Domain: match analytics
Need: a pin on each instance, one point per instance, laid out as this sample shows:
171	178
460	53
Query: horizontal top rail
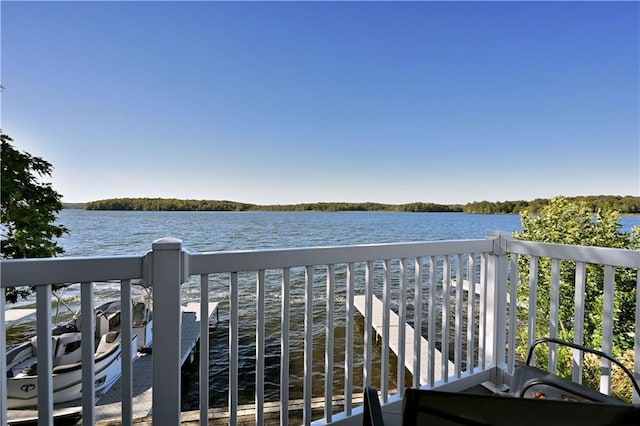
19	272
597	255
250	260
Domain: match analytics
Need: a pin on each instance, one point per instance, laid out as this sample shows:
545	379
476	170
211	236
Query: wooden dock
14	316
394	327
108	407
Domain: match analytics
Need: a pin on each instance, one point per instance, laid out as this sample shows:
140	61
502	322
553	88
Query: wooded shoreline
623	204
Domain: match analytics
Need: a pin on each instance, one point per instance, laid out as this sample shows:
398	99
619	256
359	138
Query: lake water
97	233
119	232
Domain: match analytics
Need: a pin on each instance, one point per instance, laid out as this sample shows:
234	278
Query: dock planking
108	407
394	327
14	316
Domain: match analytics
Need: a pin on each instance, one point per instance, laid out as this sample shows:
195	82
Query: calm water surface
115	233
98	233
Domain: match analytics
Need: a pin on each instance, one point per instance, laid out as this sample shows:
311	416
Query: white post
44	357
87	325
307	392
260	346
127	352
496	308
234	321
348	356
368	325
328	354
636	346
204	349
284	348
166	278
3	362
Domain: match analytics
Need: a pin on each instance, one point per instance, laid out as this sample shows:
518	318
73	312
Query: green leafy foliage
28	209
576	222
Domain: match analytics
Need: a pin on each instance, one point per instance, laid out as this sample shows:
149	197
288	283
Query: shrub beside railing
578	300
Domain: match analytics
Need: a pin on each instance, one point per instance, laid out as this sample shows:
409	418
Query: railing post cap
497	234
499	239
167	243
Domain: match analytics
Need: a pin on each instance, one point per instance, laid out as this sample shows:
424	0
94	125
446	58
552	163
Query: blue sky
291	102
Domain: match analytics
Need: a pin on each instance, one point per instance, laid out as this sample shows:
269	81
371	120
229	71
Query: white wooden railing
473	324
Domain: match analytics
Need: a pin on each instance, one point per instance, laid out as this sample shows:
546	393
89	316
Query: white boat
22	381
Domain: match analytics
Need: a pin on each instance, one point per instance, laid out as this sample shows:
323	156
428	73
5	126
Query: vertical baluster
328	354
45	362
284	348
384	370
368	324
308	345
204	349
482	326
431	321
402	320
533	303
127	352
513	309
260	343
457	351
607	328
3	361
446	313
636	345
234	310
348	360
88	353
417	324
578	323
554	313
471	317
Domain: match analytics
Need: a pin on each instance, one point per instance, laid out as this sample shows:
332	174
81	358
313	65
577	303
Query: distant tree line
172	204
166	204
362	207
621	204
